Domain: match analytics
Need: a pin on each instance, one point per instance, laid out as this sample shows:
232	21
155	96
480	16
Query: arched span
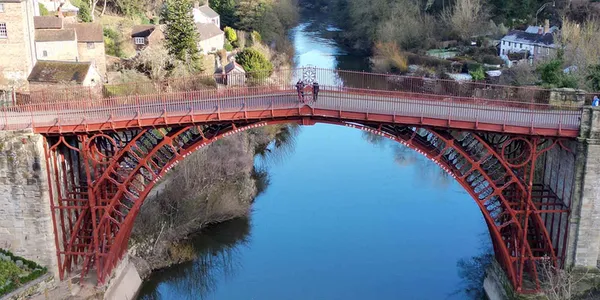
117	170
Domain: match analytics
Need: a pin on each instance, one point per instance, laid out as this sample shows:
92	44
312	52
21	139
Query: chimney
59	12
546	26
197	4
540	30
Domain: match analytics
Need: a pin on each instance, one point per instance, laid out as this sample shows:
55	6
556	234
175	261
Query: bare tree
556	283
580	45
467	18
155	59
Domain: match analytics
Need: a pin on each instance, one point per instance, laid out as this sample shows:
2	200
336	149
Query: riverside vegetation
399	33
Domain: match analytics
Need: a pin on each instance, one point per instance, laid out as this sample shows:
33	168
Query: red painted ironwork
108	146
100	181
352	95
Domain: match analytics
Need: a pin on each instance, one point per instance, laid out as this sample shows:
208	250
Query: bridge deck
277	103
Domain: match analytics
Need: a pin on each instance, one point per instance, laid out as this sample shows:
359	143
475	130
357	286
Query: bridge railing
431	86
287	77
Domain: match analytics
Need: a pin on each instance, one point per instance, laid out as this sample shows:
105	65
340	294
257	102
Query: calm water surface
342	218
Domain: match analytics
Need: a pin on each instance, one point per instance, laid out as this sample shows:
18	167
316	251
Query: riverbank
213	185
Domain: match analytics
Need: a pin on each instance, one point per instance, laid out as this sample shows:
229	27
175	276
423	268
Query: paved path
380	102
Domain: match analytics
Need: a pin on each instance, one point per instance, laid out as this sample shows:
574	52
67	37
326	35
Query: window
3	33
547	51
91	45
503	43
45	53
521	45
539	50
139	41
1	7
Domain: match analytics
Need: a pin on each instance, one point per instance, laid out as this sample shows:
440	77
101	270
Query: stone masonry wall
25	217
584	233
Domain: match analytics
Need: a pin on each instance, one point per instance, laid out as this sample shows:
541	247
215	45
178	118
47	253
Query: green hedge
36	272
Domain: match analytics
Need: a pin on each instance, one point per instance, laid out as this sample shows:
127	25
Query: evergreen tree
85	13
254	63
226	9
181	33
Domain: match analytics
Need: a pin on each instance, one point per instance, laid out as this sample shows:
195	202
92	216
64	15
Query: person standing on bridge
315	90
300	89
596	101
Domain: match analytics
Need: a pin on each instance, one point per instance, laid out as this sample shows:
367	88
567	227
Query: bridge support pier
584	233
25	213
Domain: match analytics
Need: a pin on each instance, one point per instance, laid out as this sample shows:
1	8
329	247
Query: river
346	216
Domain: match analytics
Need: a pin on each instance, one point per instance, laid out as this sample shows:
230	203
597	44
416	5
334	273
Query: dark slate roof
230	66
208	30
207	11
55	35
519	36
47	22
142	30
88	32
59	71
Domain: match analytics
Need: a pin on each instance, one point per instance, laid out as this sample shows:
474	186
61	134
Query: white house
537	42
205	15
211	38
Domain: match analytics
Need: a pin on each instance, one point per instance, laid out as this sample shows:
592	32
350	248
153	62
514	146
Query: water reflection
217	252
404	156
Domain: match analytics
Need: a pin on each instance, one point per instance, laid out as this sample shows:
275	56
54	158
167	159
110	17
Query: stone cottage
56	44
90	44
49	74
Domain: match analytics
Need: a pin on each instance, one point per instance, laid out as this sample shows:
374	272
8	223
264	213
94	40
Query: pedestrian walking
315	90
596	101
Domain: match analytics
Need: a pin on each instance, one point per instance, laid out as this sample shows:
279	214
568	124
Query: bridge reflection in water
508	147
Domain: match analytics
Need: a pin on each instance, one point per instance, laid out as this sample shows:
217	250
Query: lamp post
542	8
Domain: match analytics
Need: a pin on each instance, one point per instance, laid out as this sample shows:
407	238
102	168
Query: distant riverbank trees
271	18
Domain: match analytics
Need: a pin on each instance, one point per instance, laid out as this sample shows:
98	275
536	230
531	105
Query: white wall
213	44
64	50
507	47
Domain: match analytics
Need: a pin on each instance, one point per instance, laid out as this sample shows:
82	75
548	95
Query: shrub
230	34
255	63
12	280
113	42
256	38
478	74
228	46
492	60
43	10
85	13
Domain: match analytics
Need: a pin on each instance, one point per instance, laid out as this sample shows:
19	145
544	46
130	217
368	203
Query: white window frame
139	40
547	51
3	30
90	45
1	7
44	53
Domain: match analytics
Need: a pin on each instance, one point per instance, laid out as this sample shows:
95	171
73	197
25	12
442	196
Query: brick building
17	42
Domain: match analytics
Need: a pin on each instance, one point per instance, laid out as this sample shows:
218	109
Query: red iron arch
121	169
